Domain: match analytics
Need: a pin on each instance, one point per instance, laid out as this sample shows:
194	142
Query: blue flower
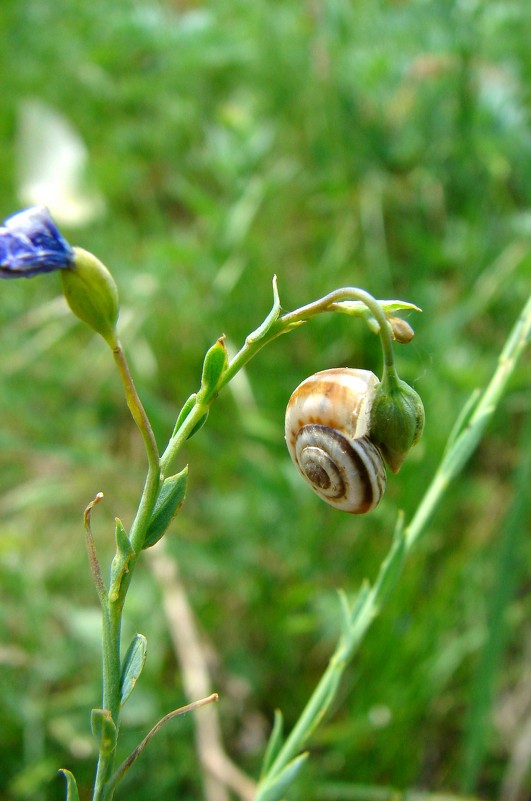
30	244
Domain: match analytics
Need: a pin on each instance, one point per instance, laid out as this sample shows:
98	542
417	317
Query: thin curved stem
283	324
358	619
113	606
135	404
327	303
151	486
177	441
274	325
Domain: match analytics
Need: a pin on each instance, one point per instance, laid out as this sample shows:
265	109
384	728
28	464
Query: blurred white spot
380	716
52	162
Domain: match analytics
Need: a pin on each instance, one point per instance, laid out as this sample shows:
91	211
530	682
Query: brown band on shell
357	453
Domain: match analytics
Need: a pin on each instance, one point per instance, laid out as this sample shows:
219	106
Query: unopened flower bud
401	331
91	293
397	420
215	363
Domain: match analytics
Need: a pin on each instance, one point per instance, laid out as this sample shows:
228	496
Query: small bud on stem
91	293
397	419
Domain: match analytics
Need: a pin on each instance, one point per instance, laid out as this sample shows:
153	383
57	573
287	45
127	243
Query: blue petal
30	244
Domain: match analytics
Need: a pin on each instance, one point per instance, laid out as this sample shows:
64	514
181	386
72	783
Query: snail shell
327	434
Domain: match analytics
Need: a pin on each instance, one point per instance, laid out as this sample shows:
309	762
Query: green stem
328	302
152	484
112	609
177	441
466	441
370	600
135	404
111	695
283	325
274	326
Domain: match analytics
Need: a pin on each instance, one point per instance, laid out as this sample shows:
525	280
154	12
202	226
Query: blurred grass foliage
386	145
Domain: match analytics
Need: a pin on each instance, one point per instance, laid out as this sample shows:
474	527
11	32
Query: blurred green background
197	149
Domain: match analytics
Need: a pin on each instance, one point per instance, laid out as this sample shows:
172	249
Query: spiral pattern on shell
327	433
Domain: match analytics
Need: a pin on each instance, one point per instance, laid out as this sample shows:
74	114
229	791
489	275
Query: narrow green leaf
133	756
214	365
132	666
357	308
198	426
171	497
103	730
390	306
71	786
183	414
185	411
271	318
276	787
274	743
358	605
120	562
506	558
123	544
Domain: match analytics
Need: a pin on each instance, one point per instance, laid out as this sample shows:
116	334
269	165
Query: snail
328	437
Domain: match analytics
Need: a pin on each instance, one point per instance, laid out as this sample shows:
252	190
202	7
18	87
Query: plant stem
138	413
112	608
283	324
328	302
135	404
177	441
509	566
466	441
370	600
111	695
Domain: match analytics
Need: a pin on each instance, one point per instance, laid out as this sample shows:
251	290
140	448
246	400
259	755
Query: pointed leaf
171	497
358	604
183	414
123	544
199	425
103	730
390	306
185	411
71	786
271	318
132	666
276	787
133	756
274	743
120	562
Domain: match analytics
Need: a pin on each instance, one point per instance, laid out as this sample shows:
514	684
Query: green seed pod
397	420
91	293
